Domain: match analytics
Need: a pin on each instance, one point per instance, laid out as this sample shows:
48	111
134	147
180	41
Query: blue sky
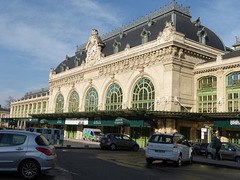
36	35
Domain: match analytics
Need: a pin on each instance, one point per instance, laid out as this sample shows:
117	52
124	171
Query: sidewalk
81	144
223	163
78	143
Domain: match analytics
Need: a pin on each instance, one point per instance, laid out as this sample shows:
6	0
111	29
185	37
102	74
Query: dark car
203	148
118	141
228	151
195	147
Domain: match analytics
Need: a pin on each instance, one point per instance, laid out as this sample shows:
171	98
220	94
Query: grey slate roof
133	35
232	54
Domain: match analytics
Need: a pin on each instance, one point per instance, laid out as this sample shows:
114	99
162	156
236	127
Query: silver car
24	152
228	151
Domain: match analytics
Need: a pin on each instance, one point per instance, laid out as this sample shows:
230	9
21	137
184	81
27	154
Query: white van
168	147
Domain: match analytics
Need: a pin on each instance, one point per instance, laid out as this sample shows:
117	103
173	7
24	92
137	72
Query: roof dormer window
150	22
202	36
116	46
77	60
63	67
145	34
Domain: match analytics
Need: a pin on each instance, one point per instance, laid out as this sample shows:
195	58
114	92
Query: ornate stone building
163	73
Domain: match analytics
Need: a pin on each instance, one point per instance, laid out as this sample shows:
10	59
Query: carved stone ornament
167	33
93	48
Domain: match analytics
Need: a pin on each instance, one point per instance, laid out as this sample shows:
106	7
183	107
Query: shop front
229	128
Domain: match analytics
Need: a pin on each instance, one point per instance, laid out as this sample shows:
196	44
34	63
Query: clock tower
94	48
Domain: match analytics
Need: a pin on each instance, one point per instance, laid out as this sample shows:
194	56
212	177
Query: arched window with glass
73	104
143	95
91	101
59	104
233	92
207	94
114	97
44	107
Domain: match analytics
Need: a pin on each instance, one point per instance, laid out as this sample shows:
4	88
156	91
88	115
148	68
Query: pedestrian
217	145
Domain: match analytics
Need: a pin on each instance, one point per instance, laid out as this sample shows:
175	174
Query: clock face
93	50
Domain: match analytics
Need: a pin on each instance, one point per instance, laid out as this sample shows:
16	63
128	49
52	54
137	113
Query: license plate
160	151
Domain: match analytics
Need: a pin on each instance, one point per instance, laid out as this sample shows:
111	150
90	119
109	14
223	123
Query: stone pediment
93	49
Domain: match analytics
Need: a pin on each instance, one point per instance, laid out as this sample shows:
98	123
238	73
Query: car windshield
237	146
97	133
104	136
161	138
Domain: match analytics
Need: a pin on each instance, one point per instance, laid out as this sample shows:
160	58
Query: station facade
161	73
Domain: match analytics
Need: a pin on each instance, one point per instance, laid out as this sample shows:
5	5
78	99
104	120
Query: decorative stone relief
167	34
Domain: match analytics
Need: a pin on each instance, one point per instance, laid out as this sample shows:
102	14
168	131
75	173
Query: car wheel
209	156
29	169
149	161
179	161
113	147
135	148
238	159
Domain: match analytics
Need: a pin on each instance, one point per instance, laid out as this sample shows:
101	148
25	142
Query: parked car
228	151
195	147
27	153
168	147
203	148
118	141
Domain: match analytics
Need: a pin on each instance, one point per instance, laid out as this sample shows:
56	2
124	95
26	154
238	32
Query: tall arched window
114	97
233	92
207	94
91	101
59	104
143	94
73	104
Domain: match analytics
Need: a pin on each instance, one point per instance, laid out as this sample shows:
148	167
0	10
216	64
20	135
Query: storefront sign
57	122
229	123
75	121
234	122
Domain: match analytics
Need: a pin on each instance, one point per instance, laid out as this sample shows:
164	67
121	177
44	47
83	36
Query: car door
227	151
184	148
118	141
12	149
127	142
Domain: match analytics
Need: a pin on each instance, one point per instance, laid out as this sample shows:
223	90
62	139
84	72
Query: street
91	164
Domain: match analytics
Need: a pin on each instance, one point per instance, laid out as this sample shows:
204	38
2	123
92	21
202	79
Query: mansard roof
232	54
153	23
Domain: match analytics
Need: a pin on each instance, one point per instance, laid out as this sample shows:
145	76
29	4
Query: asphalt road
96	164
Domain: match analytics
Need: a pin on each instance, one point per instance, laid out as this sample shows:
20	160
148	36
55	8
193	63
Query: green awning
229	123
43	121
31	120
57	122
138	123
4	120
119	121
100	122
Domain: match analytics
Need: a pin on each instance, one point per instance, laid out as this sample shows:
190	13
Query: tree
8	102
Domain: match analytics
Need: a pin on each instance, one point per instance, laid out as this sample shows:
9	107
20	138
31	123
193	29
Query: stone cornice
214	69
29	101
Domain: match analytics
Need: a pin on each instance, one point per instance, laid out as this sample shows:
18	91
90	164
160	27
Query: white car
168	147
